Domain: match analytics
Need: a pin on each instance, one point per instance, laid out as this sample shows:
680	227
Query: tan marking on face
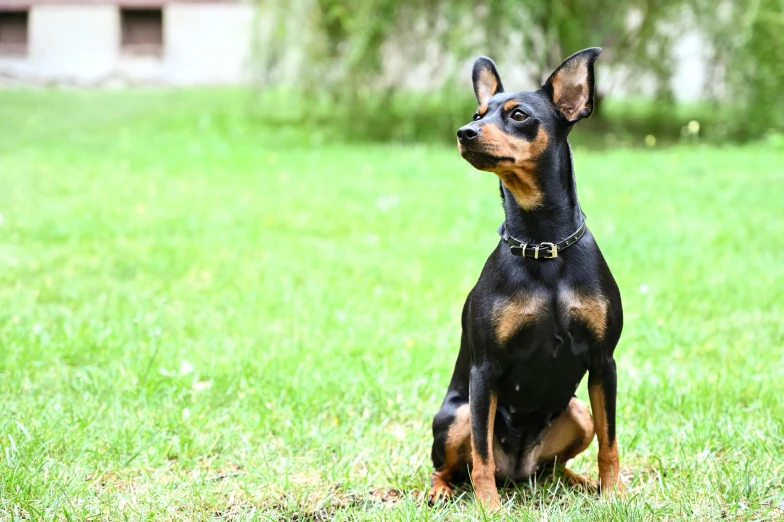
512	314
570	89
486	86
609	465
482	110
590	309
511	104
483	473
518	174
457	453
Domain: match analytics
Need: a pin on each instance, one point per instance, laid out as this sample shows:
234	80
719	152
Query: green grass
212	317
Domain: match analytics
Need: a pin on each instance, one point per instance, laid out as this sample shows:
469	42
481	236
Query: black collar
541	250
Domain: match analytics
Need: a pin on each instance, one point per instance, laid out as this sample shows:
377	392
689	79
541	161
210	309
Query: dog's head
511	131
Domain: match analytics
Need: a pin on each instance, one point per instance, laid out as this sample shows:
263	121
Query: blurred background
236	238
389	69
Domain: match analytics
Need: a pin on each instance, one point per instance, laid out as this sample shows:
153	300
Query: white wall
75	42
207	43
204	44
67	42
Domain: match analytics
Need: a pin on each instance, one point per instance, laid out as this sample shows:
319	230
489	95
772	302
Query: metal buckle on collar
553	251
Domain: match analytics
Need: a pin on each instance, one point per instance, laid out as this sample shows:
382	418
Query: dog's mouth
481	160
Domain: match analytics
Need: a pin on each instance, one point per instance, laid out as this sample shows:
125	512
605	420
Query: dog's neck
559	213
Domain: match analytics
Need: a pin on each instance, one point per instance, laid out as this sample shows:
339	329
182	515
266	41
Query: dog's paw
578	481
614	488
439	493
488	499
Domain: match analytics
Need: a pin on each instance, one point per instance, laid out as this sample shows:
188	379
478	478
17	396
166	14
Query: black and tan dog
546	308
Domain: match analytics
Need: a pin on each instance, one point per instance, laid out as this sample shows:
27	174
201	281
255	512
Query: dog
545	310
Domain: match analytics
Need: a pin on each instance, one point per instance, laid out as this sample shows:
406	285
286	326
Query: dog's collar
539	250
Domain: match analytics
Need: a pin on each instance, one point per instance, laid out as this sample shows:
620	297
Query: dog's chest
544	341
558	311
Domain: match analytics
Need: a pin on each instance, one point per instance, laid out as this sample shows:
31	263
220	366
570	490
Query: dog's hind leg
568	436
452	425
451	447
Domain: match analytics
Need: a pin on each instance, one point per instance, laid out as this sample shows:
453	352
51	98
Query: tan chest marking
512	314
591	309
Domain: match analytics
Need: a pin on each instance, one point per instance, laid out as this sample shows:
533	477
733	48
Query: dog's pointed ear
571	85
486	80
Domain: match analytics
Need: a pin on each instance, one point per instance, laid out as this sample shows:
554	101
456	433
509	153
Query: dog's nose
469	132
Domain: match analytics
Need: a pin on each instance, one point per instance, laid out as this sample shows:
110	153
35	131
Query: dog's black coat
533	372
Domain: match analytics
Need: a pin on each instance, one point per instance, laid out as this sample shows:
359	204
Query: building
125	42
104	43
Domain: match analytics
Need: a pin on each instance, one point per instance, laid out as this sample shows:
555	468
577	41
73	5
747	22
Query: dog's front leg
602	385
483	401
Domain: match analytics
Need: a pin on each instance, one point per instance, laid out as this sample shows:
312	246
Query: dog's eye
477	116
519	115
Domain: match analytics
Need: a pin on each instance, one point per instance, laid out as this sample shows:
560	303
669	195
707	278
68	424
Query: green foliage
346	38
337	52
415	116
748	42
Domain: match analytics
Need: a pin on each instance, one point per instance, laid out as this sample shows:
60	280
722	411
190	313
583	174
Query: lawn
211	316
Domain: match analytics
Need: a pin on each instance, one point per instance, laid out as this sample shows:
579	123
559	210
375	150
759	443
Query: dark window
142	31
13	33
